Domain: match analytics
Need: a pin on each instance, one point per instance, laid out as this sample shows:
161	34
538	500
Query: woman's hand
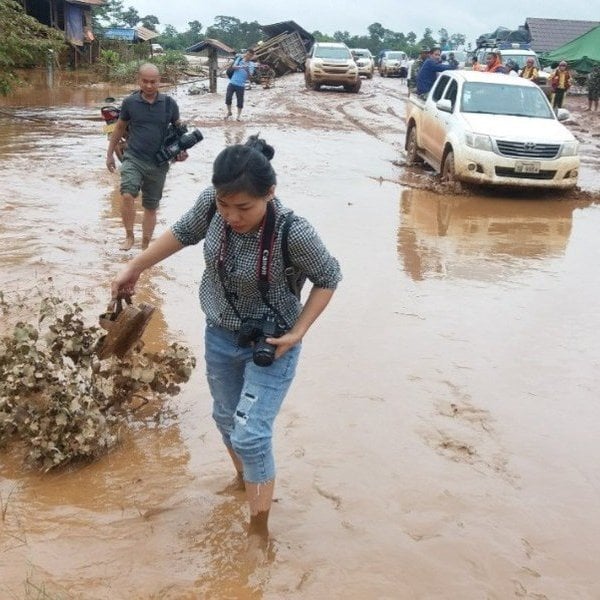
124	283
284	343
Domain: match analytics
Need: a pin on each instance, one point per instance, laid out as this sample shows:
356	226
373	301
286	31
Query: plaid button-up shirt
306	249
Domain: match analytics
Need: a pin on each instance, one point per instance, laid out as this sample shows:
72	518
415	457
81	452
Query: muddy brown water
441	437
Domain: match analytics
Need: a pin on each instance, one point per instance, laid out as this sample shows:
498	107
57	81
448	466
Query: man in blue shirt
429	70
242	71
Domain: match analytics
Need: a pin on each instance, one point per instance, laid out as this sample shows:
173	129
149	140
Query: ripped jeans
246	399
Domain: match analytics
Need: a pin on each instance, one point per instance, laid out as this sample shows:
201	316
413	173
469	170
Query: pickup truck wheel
412	156
449	172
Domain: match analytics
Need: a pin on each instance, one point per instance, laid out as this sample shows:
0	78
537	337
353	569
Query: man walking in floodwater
145	117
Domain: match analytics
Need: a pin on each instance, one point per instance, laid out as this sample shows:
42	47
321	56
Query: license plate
527	167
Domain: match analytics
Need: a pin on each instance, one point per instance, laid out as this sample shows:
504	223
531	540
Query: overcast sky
458	16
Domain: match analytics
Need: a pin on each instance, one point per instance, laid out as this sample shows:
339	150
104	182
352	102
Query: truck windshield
500	99
335	53
395	55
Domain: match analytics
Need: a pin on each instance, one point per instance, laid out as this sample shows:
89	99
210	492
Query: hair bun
261	146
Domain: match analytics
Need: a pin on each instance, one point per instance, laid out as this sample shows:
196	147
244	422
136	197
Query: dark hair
245	168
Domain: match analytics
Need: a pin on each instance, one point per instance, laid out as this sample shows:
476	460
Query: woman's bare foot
128	242
234	486
145	242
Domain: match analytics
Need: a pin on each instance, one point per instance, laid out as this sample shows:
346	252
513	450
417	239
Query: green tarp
581	54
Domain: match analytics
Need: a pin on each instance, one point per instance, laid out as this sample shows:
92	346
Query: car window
439	88
332	52
395	55
451	93
496	98
521	59
361	53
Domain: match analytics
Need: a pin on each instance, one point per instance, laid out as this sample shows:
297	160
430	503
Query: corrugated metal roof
287	27
129	34
119	33
210	43
549	34
146	34
88	2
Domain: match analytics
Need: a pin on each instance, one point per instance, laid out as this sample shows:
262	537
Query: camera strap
264	261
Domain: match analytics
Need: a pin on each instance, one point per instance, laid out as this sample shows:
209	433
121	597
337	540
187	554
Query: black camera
177	140
257	330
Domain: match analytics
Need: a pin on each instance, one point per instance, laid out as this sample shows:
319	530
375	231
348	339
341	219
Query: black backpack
295	277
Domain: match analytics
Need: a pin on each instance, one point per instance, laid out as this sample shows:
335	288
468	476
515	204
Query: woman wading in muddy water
254	322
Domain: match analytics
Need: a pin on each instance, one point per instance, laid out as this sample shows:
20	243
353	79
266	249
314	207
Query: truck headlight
478	141
569	148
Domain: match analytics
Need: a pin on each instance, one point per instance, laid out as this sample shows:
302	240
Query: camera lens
264	354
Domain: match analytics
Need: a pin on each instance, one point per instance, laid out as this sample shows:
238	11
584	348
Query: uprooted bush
60	400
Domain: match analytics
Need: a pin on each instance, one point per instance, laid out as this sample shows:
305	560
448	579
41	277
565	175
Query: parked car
331	63
393	63
157	49
491	129
365	61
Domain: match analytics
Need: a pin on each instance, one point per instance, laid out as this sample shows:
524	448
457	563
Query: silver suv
331	63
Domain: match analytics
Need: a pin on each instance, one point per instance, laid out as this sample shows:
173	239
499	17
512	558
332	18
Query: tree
457	40
150	22
24	41
444	38
427	39
341	36
109	14
131	17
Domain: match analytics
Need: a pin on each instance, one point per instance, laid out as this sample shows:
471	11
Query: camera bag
230	69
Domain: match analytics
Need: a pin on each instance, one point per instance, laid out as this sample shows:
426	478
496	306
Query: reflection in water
478	237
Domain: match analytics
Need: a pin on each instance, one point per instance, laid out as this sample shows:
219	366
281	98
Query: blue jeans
246	399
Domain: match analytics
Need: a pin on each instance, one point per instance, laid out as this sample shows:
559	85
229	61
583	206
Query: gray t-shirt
148	123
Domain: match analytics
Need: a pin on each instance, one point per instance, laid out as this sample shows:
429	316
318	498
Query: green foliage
24	42
63	403
114	14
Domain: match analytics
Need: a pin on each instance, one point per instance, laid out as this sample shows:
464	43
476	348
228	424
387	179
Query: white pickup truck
491	128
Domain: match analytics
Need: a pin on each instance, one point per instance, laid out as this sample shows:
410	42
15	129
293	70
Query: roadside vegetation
59	401
24	42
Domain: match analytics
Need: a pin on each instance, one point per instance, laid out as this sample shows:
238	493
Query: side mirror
444	105
562	114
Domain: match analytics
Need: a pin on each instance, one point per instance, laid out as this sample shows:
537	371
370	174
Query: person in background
429	71
245	290
145	116
476	65
452	60
493	62
243	68
511	68
560	82
414	69
593	87
530	71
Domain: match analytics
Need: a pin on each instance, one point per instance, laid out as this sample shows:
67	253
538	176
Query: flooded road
441	437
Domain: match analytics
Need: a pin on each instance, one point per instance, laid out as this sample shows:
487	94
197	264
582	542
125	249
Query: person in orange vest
560	83
494	63
530	71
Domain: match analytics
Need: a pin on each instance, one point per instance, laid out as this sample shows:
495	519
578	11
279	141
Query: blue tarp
74	24
120	33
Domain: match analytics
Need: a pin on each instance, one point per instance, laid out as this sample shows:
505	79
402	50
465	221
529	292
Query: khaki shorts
138	175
